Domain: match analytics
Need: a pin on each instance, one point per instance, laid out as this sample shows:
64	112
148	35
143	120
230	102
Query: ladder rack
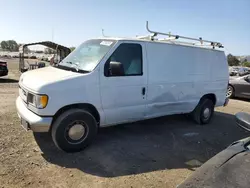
172	38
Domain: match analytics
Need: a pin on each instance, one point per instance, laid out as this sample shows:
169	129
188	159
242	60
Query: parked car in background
14	54
243	71
233	71
32	56
3	68
238	71
230	168
239	87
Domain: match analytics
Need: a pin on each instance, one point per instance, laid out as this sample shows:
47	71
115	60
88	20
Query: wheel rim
76	132
229	91
206	113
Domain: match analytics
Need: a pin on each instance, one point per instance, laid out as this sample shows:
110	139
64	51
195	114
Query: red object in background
52	60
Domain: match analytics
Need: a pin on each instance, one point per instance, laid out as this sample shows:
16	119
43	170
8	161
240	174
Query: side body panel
179	76
219	76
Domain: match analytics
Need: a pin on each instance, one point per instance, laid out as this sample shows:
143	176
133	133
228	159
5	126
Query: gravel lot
161	152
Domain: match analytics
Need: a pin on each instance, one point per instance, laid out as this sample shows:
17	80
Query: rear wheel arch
204	110
85	106
233	93
210	96
232	86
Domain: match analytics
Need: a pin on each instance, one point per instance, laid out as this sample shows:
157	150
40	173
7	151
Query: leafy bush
246	64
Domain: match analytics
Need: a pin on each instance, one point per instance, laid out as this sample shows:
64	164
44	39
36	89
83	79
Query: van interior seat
134	67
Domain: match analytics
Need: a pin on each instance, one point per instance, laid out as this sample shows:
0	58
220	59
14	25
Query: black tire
198	114
61	130
230	91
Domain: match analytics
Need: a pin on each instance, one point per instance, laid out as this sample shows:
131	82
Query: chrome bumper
35	122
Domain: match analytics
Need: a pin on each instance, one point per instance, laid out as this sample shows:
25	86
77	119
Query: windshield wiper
76	66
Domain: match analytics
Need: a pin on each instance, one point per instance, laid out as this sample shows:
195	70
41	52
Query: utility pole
103	33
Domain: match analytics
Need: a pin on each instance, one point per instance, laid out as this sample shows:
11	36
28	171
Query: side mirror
116	69
243	120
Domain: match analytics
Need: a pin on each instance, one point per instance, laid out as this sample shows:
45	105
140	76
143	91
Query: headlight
39	101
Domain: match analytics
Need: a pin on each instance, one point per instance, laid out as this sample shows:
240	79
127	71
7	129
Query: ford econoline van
111	81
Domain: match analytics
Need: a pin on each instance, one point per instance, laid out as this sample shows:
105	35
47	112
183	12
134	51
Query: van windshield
86	56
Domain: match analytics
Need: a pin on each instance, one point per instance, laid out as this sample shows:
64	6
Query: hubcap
76	132
206	113
229	91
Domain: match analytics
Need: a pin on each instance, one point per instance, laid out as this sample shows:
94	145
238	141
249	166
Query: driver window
130	55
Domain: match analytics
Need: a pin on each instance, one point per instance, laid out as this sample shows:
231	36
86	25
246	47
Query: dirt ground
161	152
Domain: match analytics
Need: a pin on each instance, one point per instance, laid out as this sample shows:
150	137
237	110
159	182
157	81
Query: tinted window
130	55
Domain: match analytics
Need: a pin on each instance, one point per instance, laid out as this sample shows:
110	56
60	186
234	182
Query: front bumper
35	122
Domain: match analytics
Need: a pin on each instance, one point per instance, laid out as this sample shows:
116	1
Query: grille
23	94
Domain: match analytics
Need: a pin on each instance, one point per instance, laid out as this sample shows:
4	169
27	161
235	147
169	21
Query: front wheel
74	130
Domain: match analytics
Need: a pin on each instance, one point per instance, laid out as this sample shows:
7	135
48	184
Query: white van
111	81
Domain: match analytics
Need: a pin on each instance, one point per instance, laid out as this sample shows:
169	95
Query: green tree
232	60
10	45
72	48
4	45
13	46
246	64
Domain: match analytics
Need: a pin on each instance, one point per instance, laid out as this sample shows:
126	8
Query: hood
235	77
38	78
232	78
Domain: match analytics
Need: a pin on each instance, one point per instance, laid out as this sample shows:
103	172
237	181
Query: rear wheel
74	130
230	92
203	112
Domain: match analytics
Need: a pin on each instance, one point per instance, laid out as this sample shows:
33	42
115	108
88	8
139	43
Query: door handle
143	91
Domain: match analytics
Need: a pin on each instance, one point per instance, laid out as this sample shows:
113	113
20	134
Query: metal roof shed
62	51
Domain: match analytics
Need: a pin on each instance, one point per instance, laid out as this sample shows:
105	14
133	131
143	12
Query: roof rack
173	38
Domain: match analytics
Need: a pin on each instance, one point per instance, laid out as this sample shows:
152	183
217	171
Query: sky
70	22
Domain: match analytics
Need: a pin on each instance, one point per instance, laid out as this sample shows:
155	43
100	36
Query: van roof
172	39
159	41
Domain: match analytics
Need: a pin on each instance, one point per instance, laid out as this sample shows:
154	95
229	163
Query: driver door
124	97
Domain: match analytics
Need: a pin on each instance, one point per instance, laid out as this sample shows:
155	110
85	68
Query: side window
130	56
